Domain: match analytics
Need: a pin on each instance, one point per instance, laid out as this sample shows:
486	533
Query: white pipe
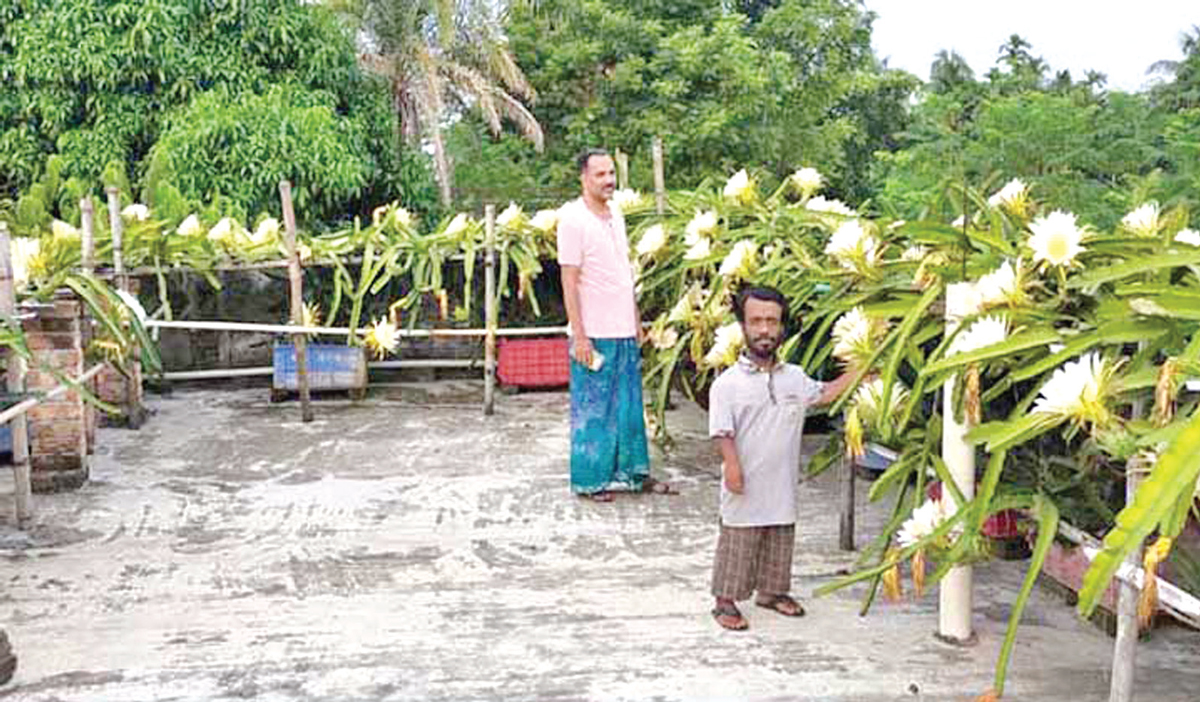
26	405
217	373
340	331
954	592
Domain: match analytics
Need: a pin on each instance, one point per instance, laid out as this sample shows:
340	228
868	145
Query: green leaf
1123	331
999	436
1170	305
1176	472
1047	517
1033	338
1132	267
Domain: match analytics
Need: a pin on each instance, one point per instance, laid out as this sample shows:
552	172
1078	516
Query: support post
489	312
117	228
846	525
88	236
87	265
15	381
1124	663
130	407
297	299
660	187
955	598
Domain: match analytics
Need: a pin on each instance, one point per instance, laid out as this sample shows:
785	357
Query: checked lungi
608	429
756	558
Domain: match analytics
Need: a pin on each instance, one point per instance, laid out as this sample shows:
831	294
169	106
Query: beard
764	346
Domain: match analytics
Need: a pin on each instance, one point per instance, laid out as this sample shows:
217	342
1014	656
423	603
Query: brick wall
57	428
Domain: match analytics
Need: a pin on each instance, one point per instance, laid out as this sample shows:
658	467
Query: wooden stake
117	227
88	236
622	160
297	299
1124	663
15	378
846	525
489	312
132	412
660	188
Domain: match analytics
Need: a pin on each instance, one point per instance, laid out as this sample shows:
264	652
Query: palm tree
948	71
1189	42
441	57
1182	90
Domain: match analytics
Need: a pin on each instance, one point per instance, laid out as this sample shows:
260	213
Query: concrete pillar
954	592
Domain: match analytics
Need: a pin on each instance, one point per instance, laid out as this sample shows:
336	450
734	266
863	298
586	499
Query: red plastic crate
533	363
1005	524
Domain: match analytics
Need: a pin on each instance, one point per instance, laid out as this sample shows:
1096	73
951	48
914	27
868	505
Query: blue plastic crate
330	367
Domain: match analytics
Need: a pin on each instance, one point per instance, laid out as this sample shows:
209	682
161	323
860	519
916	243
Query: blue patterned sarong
608	430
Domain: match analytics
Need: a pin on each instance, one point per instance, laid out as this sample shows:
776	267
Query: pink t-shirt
599	247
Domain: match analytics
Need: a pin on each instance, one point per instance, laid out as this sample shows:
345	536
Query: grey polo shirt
764	413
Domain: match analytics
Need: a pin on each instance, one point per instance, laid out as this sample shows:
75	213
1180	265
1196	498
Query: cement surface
409	548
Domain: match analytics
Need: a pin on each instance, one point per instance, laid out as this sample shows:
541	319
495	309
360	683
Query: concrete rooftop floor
409	548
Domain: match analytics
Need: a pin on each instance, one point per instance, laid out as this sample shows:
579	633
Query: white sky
1115	38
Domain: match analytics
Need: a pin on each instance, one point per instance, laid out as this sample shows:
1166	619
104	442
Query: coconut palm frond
520	116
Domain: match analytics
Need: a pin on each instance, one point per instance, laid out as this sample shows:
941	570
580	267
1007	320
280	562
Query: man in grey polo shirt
756	418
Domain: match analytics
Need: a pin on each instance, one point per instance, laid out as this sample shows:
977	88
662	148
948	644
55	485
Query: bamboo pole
18	410
129	409
489	312
88	236
954	593
297	299
15	380
660	187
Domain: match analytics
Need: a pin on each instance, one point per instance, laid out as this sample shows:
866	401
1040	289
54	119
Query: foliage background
213	98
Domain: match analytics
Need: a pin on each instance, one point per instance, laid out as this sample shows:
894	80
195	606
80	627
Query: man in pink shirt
608	433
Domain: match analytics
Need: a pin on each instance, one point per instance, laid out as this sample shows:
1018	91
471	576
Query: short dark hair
759	292
586	155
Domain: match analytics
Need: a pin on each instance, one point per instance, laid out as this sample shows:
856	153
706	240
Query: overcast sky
1118	39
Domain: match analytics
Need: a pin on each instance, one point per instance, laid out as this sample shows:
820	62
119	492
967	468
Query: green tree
439	58
1181	89
779	87
949	72
98	81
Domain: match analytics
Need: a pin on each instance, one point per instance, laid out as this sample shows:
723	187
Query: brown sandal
651	486
730	611
783	604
